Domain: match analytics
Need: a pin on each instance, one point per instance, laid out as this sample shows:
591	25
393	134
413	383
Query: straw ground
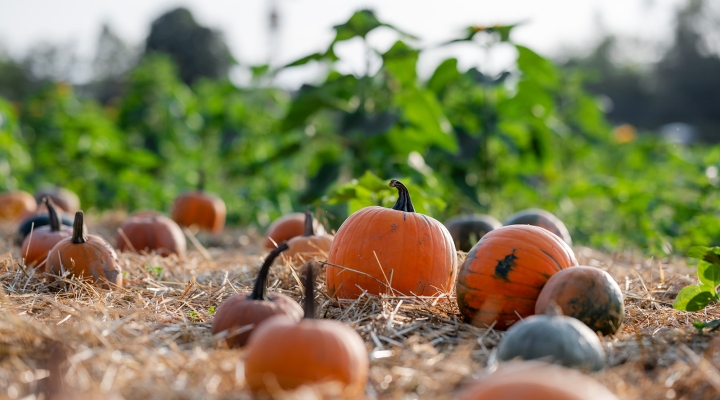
152	339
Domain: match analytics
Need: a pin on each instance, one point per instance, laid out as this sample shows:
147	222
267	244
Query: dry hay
152	339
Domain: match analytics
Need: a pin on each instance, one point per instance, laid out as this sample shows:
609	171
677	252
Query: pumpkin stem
308	224
259	291
309	302
201	181
52	215
403	202
79	235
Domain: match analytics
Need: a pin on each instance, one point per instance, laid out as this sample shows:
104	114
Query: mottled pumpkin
245	313
151	233
502	276
87	256
35	248
377	248
16	205
534	380
588	294
288	227
290	354
543	219
309	246
555	339
466	230
65	199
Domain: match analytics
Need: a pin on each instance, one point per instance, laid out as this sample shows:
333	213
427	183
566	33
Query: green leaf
692	298
502	32
360	24
537	68
446	73
708	254
401	61
423	124
709	274
699	325
329	55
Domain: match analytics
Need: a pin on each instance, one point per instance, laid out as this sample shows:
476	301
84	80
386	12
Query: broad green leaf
537	68
329	55
424	124
446	73
708	254
401	61
709	274
502	32
692	298
360	24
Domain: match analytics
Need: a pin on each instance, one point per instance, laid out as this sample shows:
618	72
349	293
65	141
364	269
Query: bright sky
552	26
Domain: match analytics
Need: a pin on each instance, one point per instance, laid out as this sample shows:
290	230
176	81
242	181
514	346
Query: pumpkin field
472	234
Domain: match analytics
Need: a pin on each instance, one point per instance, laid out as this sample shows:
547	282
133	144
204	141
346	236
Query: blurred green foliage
463	141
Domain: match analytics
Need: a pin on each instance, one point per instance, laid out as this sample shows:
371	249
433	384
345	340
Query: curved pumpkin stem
259	291
309	302
52	215
309	231
79	235
403	202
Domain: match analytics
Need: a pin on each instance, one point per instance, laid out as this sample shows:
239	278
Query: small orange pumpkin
35	248
466	230
537	381
243	310
308	246
200	209
543	219
151	233
288	227
65	199
89	256
16	205
588	294
504	272
289	354
377	248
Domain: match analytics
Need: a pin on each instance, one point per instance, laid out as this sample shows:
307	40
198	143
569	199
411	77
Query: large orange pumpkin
288	227
245	312
377	248
543	219
534	380
200	209
588	294
35	247
286	354
87	256
151	233
308	246
502	276
16	205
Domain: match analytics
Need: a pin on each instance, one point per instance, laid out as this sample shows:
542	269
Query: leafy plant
697	297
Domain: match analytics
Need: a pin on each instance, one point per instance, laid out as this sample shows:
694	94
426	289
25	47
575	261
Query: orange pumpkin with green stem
35	247
87	256
249	311
286	354
502	276
308	246
377	248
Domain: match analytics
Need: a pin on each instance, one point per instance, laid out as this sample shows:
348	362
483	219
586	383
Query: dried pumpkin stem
308	224
403	202
309	302
259	291
52	215
79	235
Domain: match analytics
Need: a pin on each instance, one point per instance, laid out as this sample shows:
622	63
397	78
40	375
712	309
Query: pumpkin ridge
552	258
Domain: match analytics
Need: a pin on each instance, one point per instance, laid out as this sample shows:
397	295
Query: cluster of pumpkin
519	277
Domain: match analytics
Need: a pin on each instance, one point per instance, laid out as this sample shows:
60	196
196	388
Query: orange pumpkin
543	219
288	227
247	312
588	294
151	233
35	247
200	209
537	381
377	248
502	276
466	230
308	246
87	256
64	199
286	354
16	205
